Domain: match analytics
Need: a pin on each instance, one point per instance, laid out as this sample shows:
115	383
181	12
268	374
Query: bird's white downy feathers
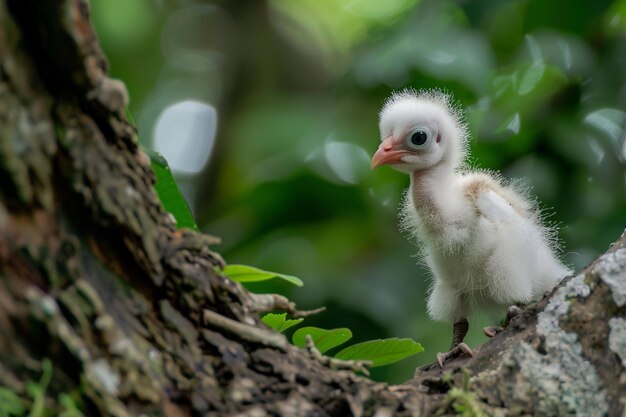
482	239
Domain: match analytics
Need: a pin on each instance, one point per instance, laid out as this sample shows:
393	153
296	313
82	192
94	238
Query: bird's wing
494	207
493	200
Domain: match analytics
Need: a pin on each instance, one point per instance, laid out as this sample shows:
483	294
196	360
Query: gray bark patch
617	338
612	270
563	382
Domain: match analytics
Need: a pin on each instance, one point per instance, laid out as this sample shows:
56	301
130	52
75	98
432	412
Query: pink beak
386	155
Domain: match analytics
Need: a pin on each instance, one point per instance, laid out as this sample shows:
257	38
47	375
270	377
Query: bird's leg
512	311
459	330
458	347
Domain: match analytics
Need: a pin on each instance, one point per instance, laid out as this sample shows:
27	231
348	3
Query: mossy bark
133	318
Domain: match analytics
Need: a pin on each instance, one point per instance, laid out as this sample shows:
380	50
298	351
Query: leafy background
284	94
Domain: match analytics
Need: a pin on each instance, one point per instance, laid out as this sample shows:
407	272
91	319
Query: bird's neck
437	197
430	187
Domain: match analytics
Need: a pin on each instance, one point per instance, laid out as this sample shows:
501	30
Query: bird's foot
491	331
459	350
511	312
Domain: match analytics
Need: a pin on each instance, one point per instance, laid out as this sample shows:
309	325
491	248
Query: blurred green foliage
298	84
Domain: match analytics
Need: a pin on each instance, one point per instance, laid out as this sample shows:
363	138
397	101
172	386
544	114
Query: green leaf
279	322
70	407
38	390
169	194
10	403
323	339
382	351
244	273
503	83
531	78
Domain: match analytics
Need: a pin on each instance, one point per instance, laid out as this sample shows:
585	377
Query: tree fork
96	280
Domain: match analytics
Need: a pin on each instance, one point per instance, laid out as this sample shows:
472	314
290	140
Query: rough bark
96	280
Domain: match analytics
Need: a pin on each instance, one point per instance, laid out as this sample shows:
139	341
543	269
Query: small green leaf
382	351
38	390
169	194
244	273
531	78
502	83
10	403
70	407
279	322
323	339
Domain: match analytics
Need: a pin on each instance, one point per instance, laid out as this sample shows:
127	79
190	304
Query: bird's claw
491	331
511	312
455	352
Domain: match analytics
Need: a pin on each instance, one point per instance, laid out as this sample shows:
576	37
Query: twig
263	303
334	363
245	331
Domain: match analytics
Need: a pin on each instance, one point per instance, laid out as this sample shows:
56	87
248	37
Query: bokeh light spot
184	133
349	162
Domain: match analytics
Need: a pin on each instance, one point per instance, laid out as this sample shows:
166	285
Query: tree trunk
106	308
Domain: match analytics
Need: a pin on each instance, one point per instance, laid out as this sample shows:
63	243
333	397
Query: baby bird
481	238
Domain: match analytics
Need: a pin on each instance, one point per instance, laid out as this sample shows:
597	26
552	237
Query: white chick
482	239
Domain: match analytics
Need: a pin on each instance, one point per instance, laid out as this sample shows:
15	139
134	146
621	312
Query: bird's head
420	130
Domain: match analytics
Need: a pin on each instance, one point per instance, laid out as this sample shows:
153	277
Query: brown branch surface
134	317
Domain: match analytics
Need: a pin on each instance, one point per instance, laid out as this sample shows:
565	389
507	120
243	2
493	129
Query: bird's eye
419	138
